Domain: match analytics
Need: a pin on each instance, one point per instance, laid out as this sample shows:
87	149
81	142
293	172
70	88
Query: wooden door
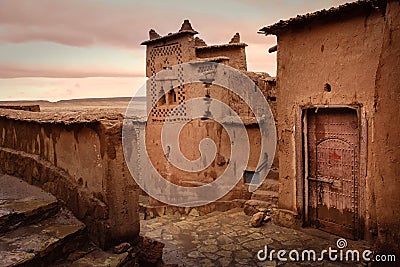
333	170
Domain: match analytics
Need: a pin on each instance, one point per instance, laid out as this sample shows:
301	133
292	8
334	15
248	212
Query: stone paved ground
227	239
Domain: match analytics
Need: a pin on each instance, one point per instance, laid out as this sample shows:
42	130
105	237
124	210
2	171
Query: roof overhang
334	14
169	37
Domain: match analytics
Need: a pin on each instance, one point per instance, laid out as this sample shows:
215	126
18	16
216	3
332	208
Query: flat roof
220	46
169	36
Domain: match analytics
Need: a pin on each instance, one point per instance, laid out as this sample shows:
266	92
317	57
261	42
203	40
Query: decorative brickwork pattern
160	112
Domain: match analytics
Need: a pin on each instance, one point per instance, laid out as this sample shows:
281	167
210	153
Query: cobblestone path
227	239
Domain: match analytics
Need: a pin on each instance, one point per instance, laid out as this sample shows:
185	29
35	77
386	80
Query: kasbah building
335	101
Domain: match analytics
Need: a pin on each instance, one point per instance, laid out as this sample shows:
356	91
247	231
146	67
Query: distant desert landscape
114	104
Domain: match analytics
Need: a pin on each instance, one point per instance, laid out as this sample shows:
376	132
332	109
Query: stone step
43	242
22	203
253	206
269	185
90	255
207	216
103	258
211	217
264	195
150	212
35	231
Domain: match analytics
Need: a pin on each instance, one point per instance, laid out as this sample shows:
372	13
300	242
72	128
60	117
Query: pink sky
56	49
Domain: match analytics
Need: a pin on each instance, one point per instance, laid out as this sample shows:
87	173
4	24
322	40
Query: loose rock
194	213
121	248
267	218
257	219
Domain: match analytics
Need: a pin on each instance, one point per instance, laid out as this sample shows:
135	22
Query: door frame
302	162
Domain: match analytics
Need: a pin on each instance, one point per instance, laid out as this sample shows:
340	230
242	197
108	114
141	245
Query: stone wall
77	157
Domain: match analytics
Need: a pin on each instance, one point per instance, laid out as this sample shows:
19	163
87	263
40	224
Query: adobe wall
235	52
169	52
78	158
386	142
357	57
193	132
180	48
191	135
343	55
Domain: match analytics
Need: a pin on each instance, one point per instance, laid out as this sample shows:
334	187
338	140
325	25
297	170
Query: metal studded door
333	170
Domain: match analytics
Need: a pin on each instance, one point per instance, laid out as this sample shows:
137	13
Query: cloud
54	89
258	58
74	23
92	24
87	23
19	71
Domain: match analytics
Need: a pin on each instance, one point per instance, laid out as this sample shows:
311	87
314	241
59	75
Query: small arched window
171	97
162	100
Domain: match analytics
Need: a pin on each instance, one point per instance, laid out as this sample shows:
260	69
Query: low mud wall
33	108
78	158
